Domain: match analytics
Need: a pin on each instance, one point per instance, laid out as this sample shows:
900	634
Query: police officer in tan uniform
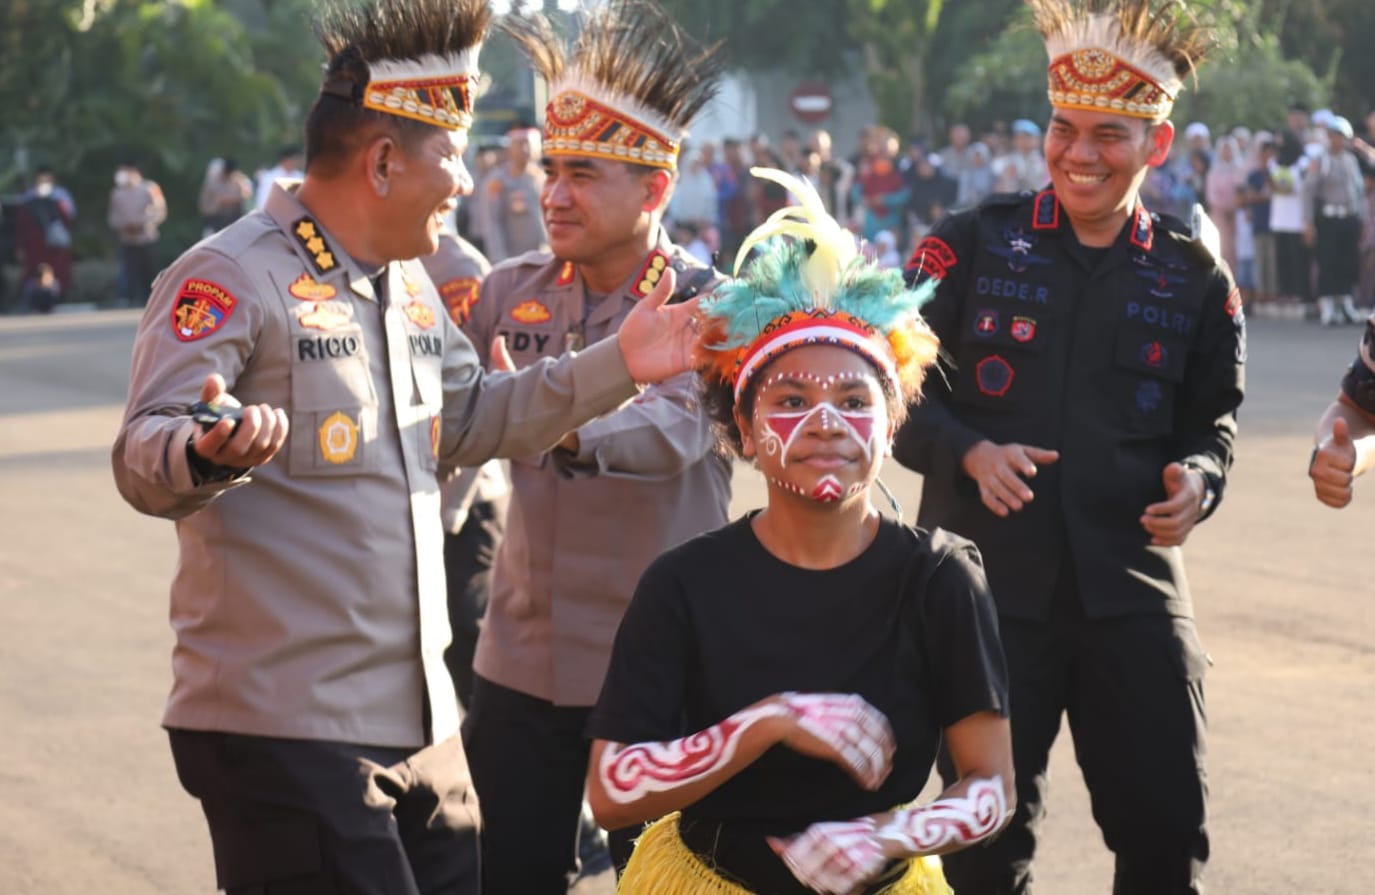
586	518
311	712
472	499
511	202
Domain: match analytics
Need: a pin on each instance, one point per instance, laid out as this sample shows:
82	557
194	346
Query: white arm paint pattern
855	729
837	858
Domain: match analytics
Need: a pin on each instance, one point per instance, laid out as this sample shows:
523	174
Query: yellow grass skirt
663	865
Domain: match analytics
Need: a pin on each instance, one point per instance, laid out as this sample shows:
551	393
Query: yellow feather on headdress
835	247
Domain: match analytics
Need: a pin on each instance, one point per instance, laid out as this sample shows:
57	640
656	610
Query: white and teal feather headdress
810	284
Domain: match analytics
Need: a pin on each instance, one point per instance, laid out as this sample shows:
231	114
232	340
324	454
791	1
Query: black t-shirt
719	623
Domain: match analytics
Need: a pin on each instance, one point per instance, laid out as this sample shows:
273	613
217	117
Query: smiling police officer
1085	427
311	713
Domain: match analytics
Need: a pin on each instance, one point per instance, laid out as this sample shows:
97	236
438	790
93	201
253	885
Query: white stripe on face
782	429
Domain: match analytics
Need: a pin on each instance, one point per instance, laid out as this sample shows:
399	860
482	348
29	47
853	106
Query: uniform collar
1048	214
636	286
320	252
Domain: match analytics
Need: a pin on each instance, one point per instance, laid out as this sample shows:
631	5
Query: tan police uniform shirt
309	598
136	212
582	527
457	270
514	225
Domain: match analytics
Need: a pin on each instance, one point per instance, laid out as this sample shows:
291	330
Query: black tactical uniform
1124	360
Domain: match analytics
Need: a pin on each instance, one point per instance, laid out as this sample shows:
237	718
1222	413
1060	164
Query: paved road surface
88	797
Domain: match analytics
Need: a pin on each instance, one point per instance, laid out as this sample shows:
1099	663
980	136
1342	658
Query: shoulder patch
459	296
201	307
933	258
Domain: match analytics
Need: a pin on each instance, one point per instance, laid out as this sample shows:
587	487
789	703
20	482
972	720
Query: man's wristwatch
1209	491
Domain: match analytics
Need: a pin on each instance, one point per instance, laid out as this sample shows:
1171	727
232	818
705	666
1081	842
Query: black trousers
468	559
1132	689
301	817
1338	255
529	764
1292	265
137	271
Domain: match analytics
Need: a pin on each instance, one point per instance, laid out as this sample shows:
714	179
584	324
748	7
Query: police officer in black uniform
1084	425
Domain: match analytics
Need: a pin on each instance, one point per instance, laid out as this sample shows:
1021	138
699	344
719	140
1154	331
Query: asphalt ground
89	801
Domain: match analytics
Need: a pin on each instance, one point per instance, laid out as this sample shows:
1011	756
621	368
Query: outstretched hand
260	434
1333	469
656	338
1001	472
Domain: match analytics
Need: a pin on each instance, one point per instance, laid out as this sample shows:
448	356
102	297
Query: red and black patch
1143	232
201	308
994	375
565	274
650	275
460	296
933	258
1234	303
1046	215
1023	329
986	324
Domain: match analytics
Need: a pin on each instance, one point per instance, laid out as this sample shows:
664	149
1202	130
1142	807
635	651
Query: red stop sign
811	101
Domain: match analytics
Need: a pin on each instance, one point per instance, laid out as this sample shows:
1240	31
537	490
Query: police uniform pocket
333	404
1147	368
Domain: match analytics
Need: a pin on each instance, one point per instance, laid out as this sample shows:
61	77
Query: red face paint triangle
784	424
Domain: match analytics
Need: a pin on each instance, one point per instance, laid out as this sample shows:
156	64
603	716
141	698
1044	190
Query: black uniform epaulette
1193	248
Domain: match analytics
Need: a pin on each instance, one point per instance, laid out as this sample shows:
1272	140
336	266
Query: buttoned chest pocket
1148	367
333	403
999	354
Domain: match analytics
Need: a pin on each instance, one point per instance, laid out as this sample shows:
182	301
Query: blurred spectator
693	238
40	292
886	249
1258	210
511	197
137	209
955	157
1286	219
470	218
931	195
790	151
288	167
976	179
225	195
1367	292
694	197
767	196
1222	184
43	229
880	189
732	192
1024	168
835	178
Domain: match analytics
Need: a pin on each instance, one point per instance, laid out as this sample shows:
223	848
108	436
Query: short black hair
338	127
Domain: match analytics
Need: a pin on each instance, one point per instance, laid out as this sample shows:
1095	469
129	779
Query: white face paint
820	420
782	429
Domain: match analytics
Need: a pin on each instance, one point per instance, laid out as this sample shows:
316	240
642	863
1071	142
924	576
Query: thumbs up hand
500	359
1333	466
1170	521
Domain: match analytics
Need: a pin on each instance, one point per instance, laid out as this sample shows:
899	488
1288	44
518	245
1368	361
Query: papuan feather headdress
420	56
1129	57
810	284
626	88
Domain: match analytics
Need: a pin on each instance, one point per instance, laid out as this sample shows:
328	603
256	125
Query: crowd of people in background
1289	202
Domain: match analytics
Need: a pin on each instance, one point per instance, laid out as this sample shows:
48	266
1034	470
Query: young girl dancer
813	652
